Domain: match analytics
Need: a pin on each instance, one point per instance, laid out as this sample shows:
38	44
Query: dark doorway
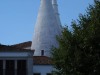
21	67
10	66
1	67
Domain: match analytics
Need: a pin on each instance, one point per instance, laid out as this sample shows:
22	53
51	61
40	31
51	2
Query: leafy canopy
79	49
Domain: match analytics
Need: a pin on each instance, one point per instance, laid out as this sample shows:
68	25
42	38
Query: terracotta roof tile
42	60
23	45
10	48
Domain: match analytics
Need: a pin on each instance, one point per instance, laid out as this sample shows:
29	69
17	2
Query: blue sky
18	17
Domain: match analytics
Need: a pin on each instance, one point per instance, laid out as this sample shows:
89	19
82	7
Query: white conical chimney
55	7
46	29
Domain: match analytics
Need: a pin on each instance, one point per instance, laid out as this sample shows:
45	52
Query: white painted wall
13	54
46	29
43	69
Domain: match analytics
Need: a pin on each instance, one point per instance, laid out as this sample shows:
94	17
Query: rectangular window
1	67
10	67
21	67
36	74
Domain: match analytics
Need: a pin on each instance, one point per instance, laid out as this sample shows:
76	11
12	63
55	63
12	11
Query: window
21	67
1	67
48	73
36	74
10	66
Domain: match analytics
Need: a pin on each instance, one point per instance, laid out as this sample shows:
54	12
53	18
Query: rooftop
42	60
23	45
4	48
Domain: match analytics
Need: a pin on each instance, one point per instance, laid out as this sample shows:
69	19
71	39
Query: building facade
15	61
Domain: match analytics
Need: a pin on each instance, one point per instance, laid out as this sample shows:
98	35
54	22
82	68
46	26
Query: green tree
79	49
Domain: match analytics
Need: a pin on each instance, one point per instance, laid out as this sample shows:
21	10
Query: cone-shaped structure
55	7
46	29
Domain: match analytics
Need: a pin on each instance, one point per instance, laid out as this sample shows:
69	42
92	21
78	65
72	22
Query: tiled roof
23	45
42	60
4	48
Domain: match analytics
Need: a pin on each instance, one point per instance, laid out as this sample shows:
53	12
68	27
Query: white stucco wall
13	54
46	29
42	69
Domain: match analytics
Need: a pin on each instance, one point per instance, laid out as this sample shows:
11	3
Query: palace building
33	57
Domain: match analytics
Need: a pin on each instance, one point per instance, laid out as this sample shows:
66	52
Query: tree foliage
79	49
